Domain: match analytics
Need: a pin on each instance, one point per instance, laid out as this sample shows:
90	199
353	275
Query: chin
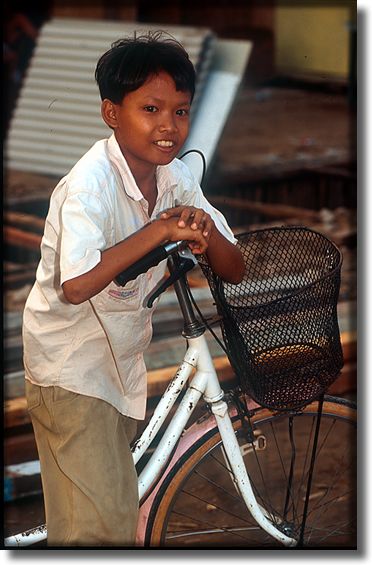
166	159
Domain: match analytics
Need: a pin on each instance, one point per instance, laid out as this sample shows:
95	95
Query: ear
108	113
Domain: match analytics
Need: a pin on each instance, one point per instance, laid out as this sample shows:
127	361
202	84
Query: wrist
161	230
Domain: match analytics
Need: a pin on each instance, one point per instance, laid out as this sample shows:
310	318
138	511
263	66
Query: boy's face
151	123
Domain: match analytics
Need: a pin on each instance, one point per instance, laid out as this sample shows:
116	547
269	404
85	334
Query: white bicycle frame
204	383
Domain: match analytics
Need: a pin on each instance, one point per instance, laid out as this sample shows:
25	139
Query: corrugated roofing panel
57	117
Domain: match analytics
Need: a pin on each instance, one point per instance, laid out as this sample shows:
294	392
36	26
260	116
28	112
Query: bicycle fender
189	437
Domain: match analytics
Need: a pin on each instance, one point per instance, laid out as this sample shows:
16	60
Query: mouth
165	144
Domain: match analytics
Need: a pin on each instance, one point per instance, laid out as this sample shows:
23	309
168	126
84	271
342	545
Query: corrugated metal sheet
216	101
57	117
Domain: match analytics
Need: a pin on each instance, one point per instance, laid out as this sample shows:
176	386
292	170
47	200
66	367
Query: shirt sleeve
192	195
85	229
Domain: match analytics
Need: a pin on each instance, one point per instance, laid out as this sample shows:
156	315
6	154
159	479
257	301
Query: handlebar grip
149	260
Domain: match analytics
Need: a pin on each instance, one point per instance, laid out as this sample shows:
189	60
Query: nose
167	123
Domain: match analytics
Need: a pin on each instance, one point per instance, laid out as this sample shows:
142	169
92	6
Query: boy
84	336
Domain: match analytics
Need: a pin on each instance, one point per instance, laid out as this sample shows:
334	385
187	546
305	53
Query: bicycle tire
198	505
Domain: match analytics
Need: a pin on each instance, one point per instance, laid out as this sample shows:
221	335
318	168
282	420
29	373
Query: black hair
131	61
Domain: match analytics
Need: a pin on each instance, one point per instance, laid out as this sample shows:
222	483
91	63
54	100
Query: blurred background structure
287	155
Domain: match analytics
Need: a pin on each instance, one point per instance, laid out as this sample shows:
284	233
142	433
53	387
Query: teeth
164	143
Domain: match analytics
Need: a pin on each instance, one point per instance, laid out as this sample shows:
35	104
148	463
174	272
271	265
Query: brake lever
183	267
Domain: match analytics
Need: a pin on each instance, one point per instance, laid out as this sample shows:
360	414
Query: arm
117	258
225	258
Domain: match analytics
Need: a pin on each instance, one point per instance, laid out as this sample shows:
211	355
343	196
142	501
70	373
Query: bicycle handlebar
151	259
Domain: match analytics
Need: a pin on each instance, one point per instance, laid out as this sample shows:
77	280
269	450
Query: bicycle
266	465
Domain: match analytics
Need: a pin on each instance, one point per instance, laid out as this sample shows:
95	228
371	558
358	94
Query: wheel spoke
210	527
228	512
220	487
206	507
304	475
211	531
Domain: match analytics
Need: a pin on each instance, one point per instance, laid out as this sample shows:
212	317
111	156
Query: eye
150	109
182	112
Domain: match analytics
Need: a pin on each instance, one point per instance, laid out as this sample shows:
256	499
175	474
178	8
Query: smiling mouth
165	144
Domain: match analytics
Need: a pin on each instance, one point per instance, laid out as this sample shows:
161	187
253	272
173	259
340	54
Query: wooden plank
157	380
20	448
16	413
22	480
19	279
271	210
23	219
15	236
16	408
346	382
349	345
23	186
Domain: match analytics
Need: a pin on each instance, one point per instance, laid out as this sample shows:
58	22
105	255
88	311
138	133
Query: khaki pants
87	471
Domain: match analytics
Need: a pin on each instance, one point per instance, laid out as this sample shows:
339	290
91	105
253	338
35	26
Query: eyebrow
160	100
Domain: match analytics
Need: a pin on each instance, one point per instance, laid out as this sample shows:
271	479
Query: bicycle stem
192	327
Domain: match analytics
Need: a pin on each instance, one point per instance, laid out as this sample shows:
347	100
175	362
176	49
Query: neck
150	193
145	177
144	174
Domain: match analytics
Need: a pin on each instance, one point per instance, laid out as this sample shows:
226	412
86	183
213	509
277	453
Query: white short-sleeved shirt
96	348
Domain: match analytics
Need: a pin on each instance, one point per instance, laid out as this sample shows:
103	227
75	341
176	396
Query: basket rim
332	273
293	228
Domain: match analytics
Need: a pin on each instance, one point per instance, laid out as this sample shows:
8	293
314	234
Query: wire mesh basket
280	323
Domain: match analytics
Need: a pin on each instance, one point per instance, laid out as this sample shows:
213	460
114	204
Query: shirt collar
164	178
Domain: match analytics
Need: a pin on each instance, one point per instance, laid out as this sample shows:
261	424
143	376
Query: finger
205	225
200	244
207	230
198	219
177	211
186	214
197	250
195	246
171	212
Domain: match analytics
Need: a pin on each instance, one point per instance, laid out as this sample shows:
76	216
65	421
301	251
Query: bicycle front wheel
199	506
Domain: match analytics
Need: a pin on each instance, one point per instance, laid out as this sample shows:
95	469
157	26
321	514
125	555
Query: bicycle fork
239	473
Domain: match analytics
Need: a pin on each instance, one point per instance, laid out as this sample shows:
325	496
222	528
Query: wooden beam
271	210
20	238
346	382
20	448
20	218
349	345
157	381
16	413
18	279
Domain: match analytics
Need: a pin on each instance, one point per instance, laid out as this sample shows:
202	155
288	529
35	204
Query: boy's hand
195	218
197	242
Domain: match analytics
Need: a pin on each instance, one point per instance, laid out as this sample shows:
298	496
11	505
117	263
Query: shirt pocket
115	298
126	323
